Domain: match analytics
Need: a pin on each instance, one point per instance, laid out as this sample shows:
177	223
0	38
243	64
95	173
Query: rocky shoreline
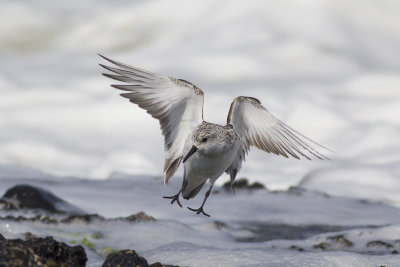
41	229
46	251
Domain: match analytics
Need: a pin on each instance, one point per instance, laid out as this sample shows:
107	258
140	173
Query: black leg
233	188
233	176
175	198
200	210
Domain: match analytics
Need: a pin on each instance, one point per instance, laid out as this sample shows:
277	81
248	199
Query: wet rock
29	235
128	258
379	244
243	183
158	264
40	252
337	242
257	185
89	218
139	217
125	258
341	240
297	248
220	225
31	197
37	218
86	218
5	205
322	246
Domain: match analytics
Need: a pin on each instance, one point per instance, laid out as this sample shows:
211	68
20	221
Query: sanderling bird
207	150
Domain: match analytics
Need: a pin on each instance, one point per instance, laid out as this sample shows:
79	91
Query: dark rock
5	205
125	258
30	197
220	225
378	243
257	185
243	183
128	258
37	218
158	264
29	235
86	218
336	242
322	246
341	240
297	248
40	252
139	217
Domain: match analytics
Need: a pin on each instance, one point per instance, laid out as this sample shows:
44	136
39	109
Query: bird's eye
204	140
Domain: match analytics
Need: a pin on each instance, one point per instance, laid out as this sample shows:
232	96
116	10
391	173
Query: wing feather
177	104
258	127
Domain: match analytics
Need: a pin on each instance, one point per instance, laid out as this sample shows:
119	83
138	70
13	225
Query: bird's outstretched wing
177	104
258	127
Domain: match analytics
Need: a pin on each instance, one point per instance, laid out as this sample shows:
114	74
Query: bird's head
209	139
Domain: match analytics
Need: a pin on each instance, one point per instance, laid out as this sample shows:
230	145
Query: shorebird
207	150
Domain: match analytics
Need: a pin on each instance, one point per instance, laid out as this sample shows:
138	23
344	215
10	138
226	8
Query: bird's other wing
258	127
176	103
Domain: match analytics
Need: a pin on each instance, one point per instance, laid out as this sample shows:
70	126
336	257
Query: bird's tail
189	192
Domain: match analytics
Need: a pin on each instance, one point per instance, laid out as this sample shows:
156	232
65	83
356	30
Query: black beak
191	152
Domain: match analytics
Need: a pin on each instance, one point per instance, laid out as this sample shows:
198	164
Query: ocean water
330	69
250	228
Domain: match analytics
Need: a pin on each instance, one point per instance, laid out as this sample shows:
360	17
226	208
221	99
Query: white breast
202	166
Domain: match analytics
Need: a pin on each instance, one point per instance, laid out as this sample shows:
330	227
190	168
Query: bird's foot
175	198
199	210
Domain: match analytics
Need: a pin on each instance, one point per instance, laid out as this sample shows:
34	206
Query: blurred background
328	68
